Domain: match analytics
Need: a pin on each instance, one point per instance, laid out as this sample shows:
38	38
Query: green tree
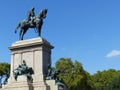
73	74
102	79
114	84
3	69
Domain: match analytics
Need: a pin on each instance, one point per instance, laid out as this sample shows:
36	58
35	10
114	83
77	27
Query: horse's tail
17	27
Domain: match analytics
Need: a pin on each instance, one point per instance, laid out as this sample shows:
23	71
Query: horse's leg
21	34
38	32
38	27
24	31
17	27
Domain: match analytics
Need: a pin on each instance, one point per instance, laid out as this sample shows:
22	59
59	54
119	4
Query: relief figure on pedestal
23	69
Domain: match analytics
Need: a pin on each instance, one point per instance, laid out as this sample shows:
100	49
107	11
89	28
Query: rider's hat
32	8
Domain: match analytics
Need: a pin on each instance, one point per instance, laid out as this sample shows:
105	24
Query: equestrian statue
32	21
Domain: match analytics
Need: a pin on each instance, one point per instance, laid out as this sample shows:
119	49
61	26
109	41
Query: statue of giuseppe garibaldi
32	21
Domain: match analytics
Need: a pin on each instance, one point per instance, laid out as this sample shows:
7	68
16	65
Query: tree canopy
73	74
3	68
76	78
105	79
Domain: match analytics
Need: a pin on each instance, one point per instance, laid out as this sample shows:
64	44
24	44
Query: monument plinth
37	54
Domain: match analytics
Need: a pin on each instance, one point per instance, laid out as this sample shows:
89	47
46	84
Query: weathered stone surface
52	84
37	54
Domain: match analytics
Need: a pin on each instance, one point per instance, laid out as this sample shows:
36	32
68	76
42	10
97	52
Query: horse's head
43	13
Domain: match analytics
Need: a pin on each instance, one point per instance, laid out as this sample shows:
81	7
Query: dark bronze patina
31	22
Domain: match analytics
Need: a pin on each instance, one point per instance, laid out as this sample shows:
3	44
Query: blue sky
84	30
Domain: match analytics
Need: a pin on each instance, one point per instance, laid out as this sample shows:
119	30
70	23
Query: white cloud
113	53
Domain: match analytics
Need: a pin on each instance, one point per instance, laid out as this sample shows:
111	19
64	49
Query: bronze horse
24	25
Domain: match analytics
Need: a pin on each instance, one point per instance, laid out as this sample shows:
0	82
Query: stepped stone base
52	85
23	83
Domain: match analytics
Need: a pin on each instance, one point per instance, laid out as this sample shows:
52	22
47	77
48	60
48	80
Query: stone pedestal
21	84
37	54
52	85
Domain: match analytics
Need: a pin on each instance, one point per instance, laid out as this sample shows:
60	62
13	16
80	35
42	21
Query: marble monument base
37	54
53	86
23	83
